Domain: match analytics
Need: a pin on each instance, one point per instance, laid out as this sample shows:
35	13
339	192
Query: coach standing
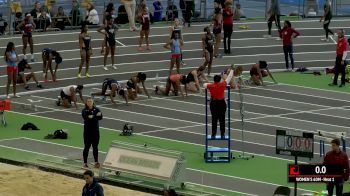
217	102
342	47
337	157
91	116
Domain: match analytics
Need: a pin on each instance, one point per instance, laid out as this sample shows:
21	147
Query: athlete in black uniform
114	88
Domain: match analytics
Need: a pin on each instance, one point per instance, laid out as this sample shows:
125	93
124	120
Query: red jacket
286	34
217	90
227	16
340	158
342	46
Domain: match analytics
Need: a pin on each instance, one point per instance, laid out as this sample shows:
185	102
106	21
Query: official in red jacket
287	34
337	157
342	47
217	102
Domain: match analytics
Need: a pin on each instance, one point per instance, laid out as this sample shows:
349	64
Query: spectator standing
337	157
218	103
91	15
130	6
217	26
75	15
3	25
273	15
92	187
85	49
341	51
287	34
11	59
327	16
145	20
189	6
27	27
158	11
228	26
35	12
238	13
91	115
60	19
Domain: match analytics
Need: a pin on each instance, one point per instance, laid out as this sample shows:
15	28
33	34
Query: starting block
5	105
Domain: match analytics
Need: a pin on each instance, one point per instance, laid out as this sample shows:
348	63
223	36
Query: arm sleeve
100	191
296	33
84	115
229	77
98	117
345	53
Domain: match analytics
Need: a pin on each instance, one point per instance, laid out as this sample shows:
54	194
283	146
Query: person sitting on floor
22	78
114	87
69	94
258	71
133	87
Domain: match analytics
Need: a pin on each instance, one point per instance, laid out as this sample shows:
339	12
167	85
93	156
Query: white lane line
120	43
43	112
302	94
208	194
333	39
155	137
136	53
186	42
76	112
306	87
135	113
155	116
19	149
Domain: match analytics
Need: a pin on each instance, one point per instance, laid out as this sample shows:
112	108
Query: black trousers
326	28
91	139
218	111
188	11
275	18
339	68
288	51
228	28
338	188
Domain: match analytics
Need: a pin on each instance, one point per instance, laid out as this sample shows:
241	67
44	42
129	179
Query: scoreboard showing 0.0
320	169
295	145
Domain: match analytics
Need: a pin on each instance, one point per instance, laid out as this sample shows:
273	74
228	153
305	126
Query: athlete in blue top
175	44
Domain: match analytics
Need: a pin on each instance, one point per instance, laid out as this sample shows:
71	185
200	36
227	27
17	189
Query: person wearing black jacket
92	187
91	116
